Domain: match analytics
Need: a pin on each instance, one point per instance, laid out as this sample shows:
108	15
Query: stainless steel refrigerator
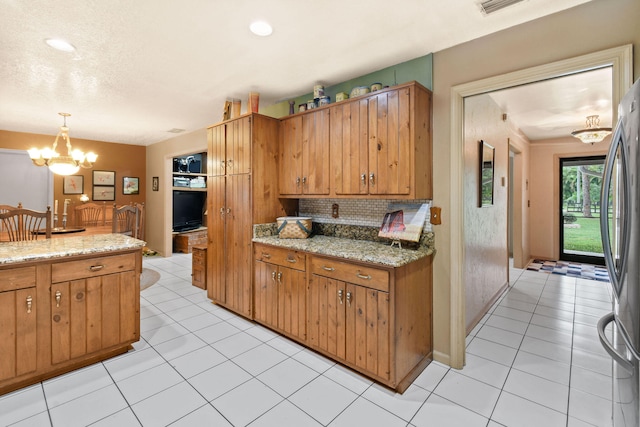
621	243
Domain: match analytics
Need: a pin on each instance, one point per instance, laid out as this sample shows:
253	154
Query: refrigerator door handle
617	357
615	274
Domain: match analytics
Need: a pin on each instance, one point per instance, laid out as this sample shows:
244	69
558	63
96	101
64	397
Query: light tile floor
534	360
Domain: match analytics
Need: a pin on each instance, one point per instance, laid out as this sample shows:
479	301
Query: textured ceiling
144	67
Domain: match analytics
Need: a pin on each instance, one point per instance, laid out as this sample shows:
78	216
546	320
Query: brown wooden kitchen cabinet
18	321
304	154
280	284
376	320
94	306
381	144
241	192
59	315
199	266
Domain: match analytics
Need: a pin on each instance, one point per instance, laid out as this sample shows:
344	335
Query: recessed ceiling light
176	130
261	28
60	44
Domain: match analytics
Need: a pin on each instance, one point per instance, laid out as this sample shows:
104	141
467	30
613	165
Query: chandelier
62	165
593	132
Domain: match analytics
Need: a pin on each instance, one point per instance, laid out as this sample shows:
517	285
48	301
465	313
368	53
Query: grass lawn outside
586	238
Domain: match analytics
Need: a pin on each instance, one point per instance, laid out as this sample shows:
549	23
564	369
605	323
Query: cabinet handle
362	276
363	178
228	211
230	164
349	299
266	255
222	211
29	303
292	260
298	182
222	164
273	276
280	277
58	298
340	292
96	267
324	267
304	180
372	178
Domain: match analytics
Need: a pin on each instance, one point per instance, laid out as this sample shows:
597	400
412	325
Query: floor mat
572	269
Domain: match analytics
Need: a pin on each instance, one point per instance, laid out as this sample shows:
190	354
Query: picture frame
486	157
104	193
73	184
130	185
104	178
155	183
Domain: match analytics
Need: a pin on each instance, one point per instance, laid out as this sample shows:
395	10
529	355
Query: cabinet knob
362	276
324	267
96	267
222	211
273	276
304	180
298	182
349	299
29	303
372	178
280	276
266	255
58	298
292	260
363	179
228	211
230	164
340	293
222	164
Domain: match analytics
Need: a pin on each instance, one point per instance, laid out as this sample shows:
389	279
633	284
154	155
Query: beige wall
545	189
521	230
159	203
587	28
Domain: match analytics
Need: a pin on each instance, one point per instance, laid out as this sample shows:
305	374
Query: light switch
435	215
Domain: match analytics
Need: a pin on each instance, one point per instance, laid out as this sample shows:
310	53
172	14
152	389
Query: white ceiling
144	67
554	108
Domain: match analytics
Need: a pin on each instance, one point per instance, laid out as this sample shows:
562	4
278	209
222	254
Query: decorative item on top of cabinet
381	144
280	290
304	154
241	192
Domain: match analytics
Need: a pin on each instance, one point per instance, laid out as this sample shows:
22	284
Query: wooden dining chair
90	215
125	220
140	231
25	224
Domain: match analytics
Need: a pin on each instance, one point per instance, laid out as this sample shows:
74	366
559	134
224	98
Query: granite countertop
358	250
36	250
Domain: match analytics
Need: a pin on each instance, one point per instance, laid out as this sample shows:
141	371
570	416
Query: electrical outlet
435	216
334	210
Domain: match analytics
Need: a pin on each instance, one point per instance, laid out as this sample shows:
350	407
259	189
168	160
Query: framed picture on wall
73	184
130	185
104	193
104	178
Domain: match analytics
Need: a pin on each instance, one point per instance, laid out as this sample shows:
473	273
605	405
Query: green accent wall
418	69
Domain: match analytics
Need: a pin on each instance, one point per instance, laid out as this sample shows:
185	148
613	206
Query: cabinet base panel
29	379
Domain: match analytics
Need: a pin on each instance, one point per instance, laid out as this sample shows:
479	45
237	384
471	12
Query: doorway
580	183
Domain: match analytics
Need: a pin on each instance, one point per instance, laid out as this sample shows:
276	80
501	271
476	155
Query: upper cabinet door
239	146
216	151
390	143
290	167
350	147
315	152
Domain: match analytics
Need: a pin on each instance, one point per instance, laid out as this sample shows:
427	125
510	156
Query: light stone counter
37	250
357	250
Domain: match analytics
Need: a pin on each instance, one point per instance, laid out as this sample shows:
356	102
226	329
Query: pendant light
593	132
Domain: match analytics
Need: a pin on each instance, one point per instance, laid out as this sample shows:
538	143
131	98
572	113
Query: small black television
188	209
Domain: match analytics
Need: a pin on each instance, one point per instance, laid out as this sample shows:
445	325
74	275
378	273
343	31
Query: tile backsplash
353	211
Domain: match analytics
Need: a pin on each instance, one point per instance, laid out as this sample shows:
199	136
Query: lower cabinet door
265	293
292	302
18	342
93	314
350	322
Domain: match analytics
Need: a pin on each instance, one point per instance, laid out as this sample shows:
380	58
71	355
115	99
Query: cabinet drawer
280	256
366	276
17	278
73	270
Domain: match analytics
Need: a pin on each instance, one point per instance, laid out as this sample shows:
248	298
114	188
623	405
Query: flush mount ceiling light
261	28
62	165
593	132
60	44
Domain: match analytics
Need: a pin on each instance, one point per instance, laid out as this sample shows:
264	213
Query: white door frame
619	58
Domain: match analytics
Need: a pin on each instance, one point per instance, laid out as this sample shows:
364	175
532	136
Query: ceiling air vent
491	6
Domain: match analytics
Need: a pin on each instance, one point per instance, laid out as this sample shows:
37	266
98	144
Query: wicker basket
294	227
